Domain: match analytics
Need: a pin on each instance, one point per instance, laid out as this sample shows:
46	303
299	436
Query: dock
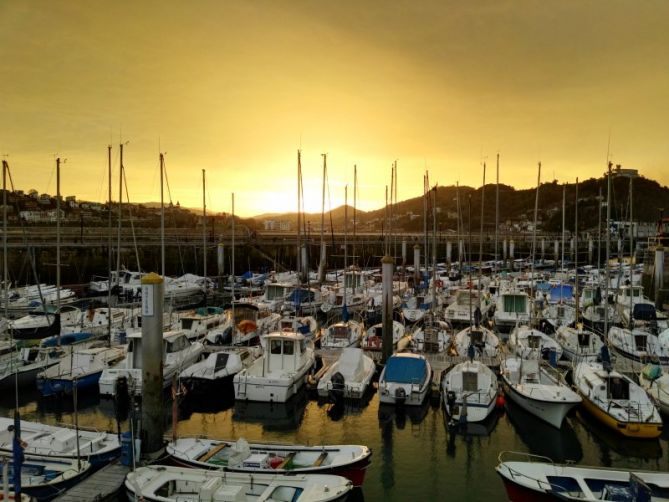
103	485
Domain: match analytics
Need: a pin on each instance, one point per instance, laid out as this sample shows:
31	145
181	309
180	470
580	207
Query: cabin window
584	339
469	381
186	323
640	342
221	361
619	388
275	346
560	312
534	342
514	303
288	347
476	337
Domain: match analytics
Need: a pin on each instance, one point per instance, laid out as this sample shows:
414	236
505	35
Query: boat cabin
283	351
514	303
173	342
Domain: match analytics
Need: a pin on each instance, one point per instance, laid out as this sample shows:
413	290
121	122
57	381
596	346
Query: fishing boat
44	477
536	389
535	478
81	368
198	322
405	379
616	401
217	369
348	377
40	439
178	354
279	373
175	484
469	391
350	461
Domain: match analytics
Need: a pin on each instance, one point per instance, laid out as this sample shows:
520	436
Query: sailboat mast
345	238
355	202
459	224
434	249
109	239
631	266
481	232
534	234
299	209
426	184
576	252
5	273
120	208
607	254
204	231
58	238
497	213
322	264
233	257
162	216
564	199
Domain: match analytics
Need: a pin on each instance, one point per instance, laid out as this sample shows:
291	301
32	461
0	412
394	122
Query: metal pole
387	264
204	232
496	212
162	216
608	247
58	242
109	241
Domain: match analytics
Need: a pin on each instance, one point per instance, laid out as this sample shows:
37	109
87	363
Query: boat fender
450	401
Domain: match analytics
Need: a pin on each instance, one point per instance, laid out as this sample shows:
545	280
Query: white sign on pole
147	300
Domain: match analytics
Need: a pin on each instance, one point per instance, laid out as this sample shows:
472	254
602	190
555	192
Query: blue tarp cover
405	370
562	292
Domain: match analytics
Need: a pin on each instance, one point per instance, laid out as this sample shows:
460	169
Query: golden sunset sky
236	87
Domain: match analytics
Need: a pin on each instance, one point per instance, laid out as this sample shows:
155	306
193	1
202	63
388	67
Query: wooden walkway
103	485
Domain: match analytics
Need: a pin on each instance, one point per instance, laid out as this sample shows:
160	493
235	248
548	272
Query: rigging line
132	225
169	196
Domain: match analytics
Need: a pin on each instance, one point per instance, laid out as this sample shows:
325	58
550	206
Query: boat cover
405	370
351	364
644	312
561	292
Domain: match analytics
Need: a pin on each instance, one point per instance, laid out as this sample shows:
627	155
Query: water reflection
609	442
273	416
415	414
543	439
222	400
483	428
339	409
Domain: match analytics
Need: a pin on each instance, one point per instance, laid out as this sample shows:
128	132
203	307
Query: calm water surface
415	456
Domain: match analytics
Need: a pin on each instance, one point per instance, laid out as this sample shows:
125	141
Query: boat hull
550	412
639	430
58	386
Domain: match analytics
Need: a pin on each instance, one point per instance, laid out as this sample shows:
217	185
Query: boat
98	448
535	478
461	311
244	324
304	325
469	391
484	341
20	367
432	336
531	386
525	341
81	368
511	308
348	377
350	461
373	338
178	353
656	384
198	322
416	306
217	369
171	484
405	379
279	372
615	400
578	344
347	333
640	344
44	477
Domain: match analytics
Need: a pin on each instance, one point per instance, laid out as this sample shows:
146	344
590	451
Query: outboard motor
450	401
336	392
400	395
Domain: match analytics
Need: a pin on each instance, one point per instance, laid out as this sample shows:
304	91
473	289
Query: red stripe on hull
519	493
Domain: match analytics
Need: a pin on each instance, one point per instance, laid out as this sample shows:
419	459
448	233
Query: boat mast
232	300
469	245
426	184
299	206
345	239
496	212
564	198
57	244
599	230
576	253
109	240
534	238
631	266
459	225
162	216
322	264
434	249
120	208
204	233
608	245
355	202
481	234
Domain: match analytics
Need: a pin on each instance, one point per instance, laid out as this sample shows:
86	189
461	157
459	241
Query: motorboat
348	377
528	478
469	391
461	310
217	369
405	380
98	448
349	461
178	354
615	400
537	389
174	484
511	308
279	372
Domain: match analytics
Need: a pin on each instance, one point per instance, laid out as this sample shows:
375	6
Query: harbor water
416	455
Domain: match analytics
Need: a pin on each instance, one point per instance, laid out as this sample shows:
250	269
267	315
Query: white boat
18	369
556	315
349	376
41	439
616	401
640	344
178	484
432	336
525	341
535	478
530	385
469	391
405	379
196	323
218	368
304	325
80	368
416	306
482	339
279	373
594	316
578	344
656	384
244	324
511	308
303	300
461	310
342	334
373	337
349	461
178	354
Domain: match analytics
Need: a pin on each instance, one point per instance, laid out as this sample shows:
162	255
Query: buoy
500	401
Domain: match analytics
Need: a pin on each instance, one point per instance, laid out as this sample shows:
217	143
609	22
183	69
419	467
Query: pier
103	485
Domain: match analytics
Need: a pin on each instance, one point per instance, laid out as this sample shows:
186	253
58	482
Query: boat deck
105	484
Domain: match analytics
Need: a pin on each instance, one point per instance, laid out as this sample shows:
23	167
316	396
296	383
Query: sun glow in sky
236	87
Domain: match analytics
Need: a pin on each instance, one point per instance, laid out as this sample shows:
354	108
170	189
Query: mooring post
387	264
152	363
